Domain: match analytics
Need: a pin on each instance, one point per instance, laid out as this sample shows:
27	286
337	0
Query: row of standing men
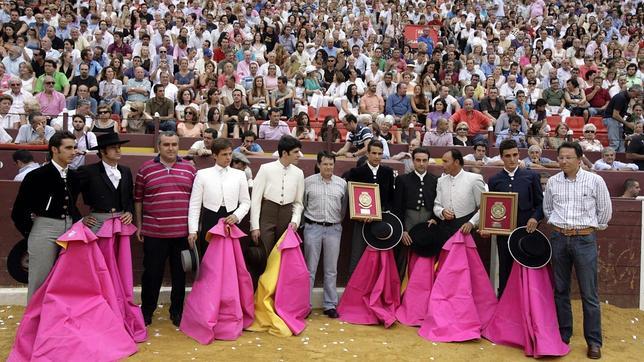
168	190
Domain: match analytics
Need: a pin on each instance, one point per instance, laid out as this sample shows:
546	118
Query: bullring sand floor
332	340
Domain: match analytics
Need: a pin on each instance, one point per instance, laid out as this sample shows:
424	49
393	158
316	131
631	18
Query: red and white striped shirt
165	194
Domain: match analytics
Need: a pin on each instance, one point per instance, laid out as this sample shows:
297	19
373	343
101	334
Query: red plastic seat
553	121
327	111
599	123
575	123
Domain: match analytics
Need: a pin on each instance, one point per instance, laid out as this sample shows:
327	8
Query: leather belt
308	221
574	232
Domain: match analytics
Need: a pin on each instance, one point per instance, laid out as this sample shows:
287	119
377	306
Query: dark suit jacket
99	192
384	179
44	193
408	190
527	184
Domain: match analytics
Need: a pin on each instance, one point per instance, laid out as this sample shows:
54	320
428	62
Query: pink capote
415	298
373	292
220	304
292	294
462	301
74	315
114	242
526	315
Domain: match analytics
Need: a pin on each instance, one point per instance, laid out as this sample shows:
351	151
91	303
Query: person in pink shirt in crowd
274	128
51	101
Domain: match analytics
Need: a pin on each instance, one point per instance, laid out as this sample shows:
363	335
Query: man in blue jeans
615	113
325	203
577	204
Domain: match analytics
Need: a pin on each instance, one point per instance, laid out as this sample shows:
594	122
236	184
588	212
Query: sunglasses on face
103	112
49	82
462	129
187	113
589	131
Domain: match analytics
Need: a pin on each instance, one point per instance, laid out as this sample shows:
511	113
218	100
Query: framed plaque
364	201
499	212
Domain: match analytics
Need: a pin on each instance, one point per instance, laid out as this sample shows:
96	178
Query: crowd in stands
441	73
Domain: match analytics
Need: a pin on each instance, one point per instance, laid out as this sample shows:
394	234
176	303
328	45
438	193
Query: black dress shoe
331	313
176	319
147	319
594	352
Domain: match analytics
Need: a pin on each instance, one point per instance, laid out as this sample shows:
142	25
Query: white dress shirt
113	174
279	184
62	171
215	187
461	194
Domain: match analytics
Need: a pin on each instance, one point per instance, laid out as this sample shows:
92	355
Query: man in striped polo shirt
161	199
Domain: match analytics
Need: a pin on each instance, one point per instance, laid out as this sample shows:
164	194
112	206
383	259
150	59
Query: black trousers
155	253
209	219
505	262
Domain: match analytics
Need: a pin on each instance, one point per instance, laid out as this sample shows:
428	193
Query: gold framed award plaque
364	201
499	212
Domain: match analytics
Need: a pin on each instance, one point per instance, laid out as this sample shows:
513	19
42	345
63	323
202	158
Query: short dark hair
630	182
417	150
514	119
458	156
351	118
375	143
211	131
248	134
25	156
287	144
477	144
57	138
574	145
283	79
156	87
507	145
274	110
325	154
219	145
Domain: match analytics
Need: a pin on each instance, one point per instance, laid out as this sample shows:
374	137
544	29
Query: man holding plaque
375	173
458	195
527	184
416	193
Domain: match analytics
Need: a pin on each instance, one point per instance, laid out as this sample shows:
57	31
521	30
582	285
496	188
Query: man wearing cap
375	173
527	184
458	195
415	202
242	163
577	204
106	186
45	207
277	195
218	192
325	203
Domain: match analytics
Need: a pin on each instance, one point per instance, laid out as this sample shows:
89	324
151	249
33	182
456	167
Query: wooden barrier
619	257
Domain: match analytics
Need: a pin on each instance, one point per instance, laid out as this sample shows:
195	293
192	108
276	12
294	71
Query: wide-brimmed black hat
108	139
532	250
384	234
427	239
190	260
18	262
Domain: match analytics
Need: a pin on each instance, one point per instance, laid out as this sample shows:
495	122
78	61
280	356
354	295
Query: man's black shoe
147	319
176	319
331	313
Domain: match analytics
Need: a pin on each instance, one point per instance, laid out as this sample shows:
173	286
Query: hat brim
17	262
520	235
104	145
427	240
388	243
190	260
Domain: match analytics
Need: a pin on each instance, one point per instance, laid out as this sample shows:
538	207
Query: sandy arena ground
333	340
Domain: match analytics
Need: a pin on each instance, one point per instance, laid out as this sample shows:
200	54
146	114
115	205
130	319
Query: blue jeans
615	131
580	251
316	238
168	125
